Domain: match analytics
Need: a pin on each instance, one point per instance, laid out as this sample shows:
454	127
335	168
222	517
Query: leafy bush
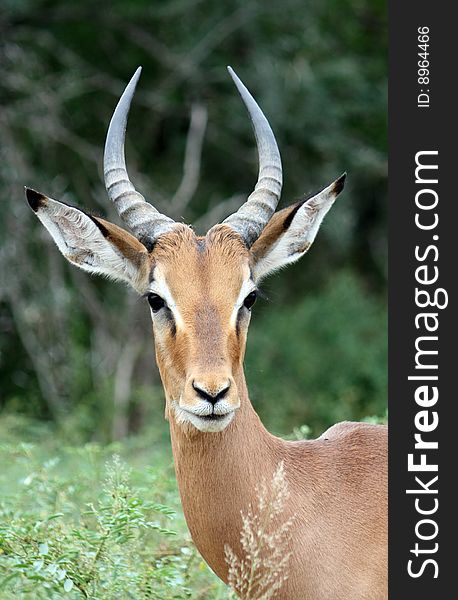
76	522
321	361
318	70
79	527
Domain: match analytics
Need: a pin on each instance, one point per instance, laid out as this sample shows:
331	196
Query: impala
200	291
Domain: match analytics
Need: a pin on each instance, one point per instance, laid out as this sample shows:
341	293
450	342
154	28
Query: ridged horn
255	213
145	222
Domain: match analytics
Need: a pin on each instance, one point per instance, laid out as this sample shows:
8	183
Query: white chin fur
185	417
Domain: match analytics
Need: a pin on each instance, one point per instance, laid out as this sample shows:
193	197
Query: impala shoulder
366	438
354	429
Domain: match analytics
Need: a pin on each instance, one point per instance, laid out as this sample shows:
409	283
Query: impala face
200	296
200	289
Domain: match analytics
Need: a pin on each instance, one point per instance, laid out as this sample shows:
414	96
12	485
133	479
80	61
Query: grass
263	568
92	521
104	522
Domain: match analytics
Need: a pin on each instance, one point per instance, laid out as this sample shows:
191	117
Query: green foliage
321	361
75	351
74	345
76	522
85	526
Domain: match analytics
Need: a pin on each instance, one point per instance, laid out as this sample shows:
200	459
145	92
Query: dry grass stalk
262	570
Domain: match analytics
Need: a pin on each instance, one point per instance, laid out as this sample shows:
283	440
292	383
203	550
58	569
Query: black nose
212	398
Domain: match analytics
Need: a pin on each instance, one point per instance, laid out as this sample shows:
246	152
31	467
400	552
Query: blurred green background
77	372
77	350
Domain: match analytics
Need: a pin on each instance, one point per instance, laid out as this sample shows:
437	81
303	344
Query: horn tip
234	75
136	75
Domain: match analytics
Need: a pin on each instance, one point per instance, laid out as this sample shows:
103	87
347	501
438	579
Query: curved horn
255	213
142	218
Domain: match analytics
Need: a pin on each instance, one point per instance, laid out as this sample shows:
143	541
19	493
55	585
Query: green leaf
55	516
38	565
7	579
43	549
52	568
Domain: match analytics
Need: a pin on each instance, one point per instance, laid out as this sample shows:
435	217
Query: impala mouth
214	417
211	422
211	417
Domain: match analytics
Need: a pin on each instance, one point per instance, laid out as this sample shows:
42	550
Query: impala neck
218	474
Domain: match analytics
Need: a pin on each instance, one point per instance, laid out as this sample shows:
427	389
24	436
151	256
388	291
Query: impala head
200	289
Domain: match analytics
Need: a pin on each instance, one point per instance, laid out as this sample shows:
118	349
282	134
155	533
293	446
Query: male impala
201	291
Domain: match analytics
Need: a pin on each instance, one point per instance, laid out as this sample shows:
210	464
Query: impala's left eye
250	300
156	302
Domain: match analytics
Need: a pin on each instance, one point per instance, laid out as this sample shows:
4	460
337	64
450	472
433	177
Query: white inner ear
82	243
299	236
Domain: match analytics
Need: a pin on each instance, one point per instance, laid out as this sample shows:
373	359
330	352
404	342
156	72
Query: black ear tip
35	199
339	184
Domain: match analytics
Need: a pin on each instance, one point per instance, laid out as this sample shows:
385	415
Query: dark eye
250	300
156	302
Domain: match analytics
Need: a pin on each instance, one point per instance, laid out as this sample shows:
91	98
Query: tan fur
338	482
272	232
125	242
204	276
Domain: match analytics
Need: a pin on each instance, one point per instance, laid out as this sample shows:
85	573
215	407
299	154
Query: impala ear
91	243
291	231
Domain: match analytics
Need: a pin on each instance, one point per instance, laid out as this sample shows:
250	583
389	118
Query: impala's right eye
156	302
250	300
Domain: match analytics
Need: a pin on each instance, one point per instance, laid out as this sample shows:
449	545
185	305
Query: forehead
216	264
